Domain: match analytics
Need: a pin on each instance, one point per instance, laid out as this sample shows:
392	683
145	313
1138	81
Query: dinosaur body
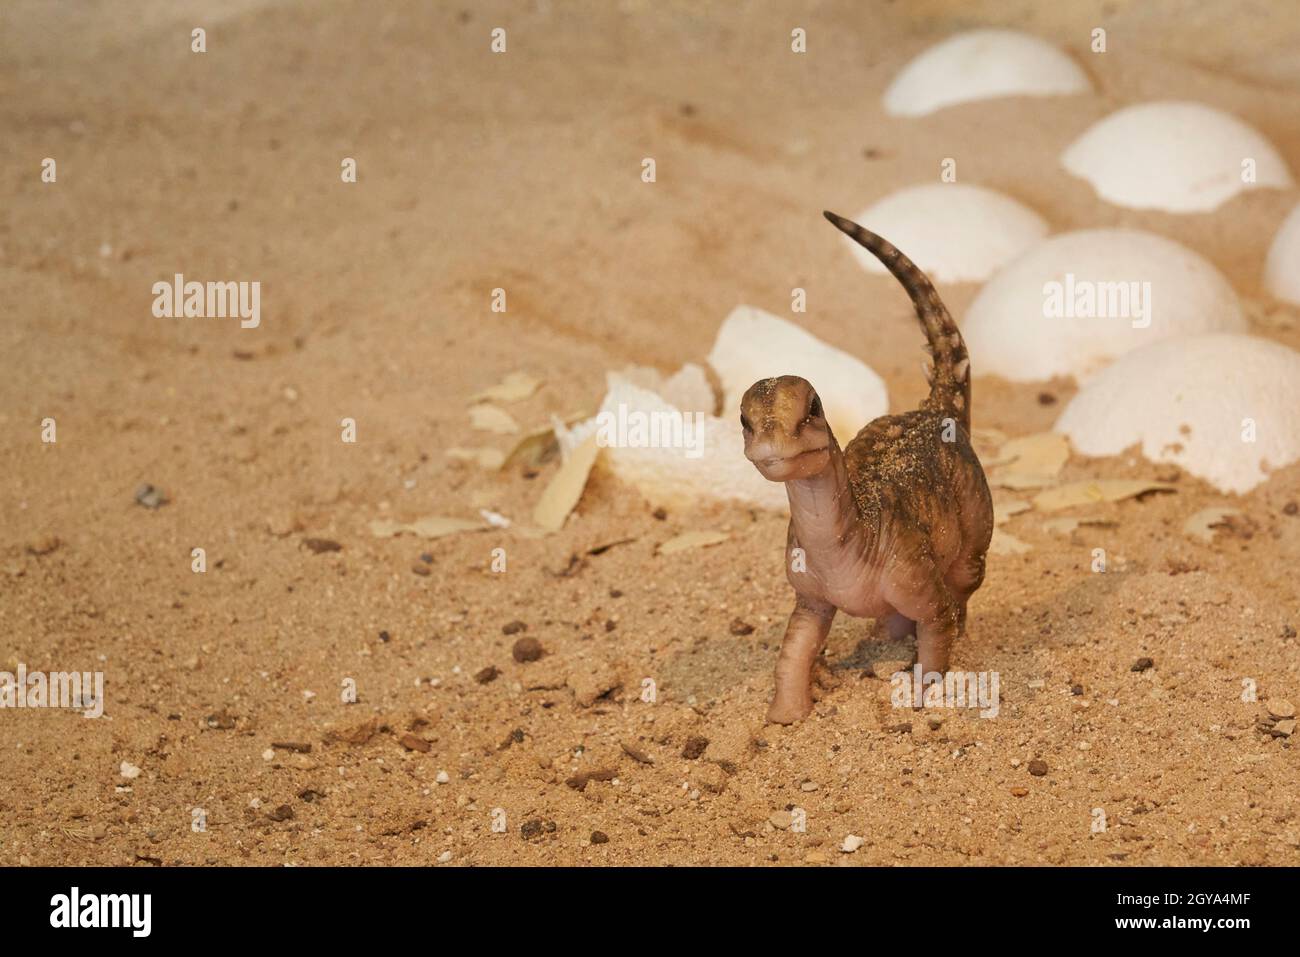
894	526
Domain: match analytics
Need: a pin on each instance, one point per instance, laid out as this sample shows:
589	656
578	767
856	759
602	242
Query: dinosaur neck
822	513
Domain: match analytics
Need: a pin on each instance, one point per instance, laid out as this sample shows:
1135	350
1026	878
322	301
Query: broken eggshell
1225	408
954	232
1282	270
1176	156
1078	300
754	345
982	65
707	464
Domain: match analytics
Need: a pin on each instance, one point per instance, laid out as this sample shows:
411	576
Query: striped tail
950	374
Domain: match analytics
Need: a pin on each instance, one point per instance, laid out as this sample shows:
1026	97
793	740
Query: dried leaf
513	388
487	458
1064	526
1002	511
1032	461
692	540
565	488
1004	544
533	449
1207	521
1093	491
488	418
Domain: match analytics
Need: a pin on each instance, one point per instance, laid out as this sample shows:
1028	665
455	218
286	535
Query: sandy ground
522	171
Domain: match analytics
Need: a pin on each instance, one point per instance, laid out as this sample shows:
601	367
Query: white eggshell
685	474
753	345
1282	270
954	232
1175	156
982	65
1031	321
1193	402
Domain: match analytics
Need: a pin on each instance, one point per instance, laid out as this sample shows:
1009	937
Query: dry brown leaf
533	449
1004	544
487	458
1092	491
994	437
692	540
1002	511
565	488
513	388
1207	521
1031	461
488	418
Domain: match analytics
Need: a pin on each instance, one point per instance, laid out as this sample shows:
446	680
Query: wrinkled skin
895	526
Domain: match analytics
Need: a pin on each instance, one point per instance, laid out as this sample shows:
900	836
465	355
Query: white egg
954	232
1175	156
1224	407
1076	301
982	65
1282	270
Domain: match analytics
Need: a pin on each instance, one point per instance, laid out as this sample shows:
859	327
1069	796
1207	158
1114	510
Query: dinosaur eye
744	423
816	407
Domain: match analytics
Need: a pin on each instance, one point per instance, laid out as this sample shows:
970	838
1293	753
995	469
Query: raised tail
950	375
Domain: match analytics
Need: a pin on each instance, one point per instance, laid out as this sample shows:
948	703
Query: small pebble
599	837
1281	708
421	569
513	627
268	754
808	786
1037	767
1143	664
129	770
413	742
487	675
444	857
1019	792
739	627
526	649
443	777
150	496
318	546
851	843
694	747
781	819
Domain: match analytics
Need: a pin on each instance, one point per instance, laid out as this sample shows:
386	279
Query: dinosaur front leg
805	636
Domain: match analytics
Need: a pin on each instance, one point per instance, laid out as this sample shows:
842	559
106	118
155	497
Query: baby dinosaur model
893	527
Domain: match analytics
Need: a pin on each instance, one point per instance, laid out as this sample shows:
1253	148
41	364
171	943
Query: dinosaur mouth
791	459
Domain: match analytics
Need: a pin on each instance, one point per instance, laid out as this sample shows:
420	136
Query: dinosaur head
786	434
